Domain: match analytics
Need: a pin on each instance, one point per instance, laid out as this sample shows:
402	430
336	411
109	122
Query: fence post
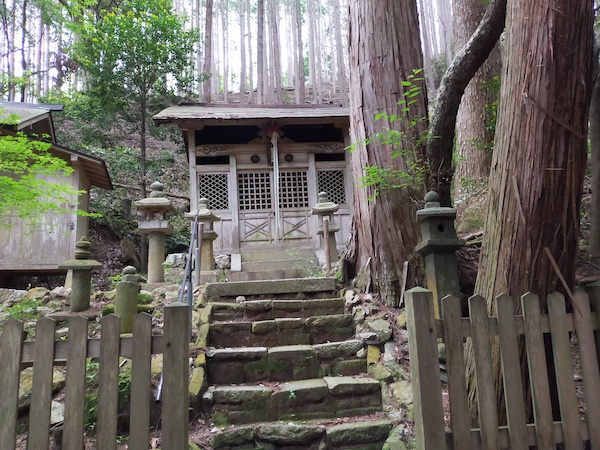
10	354
424	370
175	411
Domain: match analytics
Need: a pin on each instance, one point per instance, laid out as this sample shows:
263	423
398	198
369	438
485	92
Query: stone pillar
154	223
156	257
438	248
126	298
82	267
209	235
326	208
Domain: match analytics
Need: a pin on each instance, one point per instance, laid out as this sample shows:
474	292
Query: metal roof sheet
204	112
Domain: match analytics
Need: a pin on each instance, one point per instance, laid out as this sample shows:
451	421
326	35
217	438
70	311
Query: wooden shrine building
38	249
261	168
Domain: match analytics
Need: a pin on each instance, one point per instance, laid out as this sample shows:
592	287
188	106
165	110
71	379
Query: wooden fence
74	352
571	431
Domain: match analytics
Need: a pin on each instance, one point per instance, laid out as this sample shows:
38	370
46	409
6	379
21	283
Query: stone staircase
277	263
282	369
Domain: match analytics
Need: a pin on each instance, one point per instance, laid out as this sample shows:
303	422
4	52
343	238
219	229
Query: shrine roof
216	113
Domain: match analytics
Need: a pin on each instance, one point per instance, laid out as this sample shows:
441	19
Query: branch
462	69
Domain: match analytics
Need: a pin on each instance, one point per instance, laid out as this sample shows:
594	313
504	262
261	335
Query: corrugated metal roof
33	118
204	113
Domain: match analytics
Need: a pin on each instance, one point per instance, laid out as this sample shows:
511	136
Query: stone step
273	309
281	331
262	275
281	264
284	363
291	254
355	435
317	398
229	291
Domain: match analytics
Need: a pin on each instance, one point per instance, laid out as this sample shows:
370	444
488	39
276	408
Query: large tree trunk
474	133
539	152
384	50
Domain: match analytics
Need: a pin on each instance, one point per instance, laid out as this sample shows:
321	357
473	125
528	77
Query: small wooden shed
38	250
261	169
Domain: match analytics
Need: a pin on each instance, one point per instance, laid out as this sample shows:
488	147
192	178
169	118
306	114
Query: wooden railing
74	352
571	431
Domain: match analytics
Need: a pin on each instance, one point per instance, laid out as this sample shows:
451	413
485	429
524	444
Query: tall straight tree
260	52
540	150
385	49
208	52
474	130
341	70
224	30
300	85
275	52
243	70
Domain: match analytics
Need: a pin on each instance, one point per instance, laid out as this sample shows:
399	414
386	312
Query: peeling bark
384	50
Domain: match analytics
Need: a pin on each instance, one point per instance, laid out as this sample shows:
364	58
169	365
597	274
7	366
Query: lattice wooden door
262	217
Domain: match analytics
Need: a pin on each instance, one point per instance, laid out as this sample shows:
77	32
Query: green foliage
491	109
134	51
25	309
33	182
402	144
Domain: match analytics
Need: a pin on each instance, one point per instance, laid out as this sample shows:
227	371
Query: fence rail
507	329
74	352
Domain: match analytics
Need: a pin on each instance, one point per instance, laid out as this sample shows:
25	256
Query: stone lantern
326	208
154	223
82	267
208	218
438	246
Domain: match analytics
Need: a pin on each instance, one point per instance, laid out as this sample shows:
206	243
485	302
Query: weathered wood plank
108	383
61	350
511	370
530	439
176	377
75	383
536	359
589	363
139	429
488	416
10	355
41	390
593	291
465	325
455	363
424	369
563	364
